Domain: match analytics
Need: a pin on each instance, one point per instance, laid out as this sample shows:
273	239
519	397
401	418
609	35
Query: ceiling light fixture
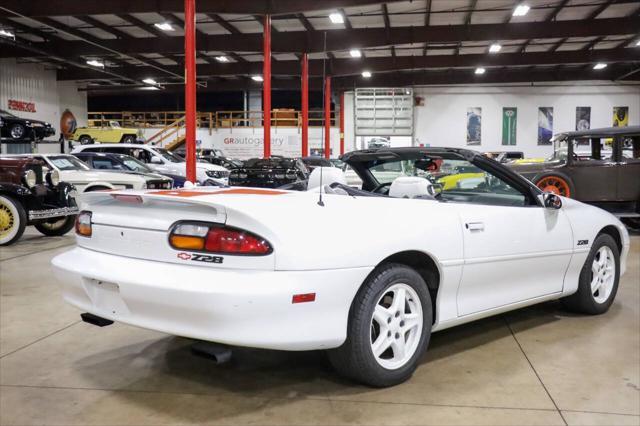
495	48
599	66
95	63
638	43
336	18
521	10
150	81
222	59
480	71
355	53
257	78
7	33
164	26
366	74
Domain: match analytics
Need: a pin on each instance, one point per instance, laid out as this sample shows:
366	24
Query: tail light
83	224
215	238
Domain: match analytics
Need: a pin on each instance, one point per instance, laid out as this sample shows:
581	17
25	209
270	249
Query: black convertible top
602	132
405	153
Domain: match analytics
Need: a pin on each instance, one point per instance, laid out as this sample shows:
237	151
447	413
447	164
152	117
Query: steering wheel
379	187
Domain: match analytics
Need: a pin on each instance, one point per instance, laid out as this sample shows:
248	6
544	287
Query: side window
592	149
105	164
631	149
462	181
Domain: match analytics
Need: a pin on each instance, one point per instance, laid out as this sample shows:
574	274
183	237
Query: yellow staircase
172	136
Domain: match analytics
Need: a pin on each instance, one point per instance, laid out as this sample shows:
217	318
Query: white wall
34	83
442	119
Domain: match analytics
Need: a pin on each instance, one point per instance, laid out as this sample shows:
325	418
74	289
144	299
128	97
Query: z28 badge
200	257
583	242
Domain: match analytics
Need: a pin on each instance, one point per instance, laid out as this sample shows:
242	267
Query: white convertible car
367	273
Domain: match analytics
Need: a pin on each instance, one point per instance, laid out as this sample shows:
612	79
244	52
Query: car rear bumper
235	307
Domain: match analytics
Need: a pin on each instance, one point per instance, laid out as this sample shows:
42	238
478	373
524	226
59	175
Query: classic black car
271	172
14	128
597	166
313	162
28	197
213	156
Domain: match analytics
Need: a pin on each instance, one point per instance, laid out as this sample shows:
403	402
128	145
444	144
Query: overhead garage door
384	111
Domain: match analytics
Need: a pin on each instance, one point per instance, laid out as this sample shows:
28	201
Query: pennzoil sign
23	106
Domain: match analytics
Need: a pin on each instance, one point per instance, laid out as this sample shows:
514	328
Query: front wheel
13	220
129	139
56	228
18	131
598	282
389	328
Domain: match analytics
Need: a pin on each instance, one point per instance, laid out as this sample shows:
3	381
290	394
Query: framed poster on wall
620	116
545	125
474	126
509	125
583	118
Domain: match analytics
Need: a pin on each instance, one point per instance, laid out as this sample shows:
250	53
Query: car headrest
410	187
329	175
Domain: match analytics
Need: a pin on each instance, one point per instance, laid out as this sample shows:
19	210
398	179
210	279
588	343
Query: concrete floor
534	366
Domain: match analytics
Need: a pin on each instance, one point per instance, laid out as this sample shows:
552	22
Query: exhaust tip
220	354
95	320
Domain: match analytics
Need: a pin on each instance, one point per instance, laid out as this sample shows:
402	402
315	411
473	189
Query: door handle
475	226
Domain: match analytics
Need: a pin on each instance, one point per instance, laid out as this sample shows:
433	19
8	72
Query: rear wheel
13	220
57	227
85	140
18	131
598	282
389	328
555	184
129	139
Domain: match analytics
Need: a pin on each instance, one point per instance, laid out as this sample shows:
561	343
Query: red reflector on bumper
303	298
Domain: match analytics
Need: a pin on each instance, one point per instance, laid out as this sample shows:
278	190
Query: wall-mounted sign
21	105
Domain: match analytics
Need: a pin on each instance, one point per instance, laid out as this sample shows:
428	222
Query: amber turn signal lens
185	242
83	224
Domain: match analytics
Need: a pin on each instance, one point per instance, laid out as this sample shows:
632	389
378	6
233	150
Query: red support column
305	105
327	117
190	86
341	123
266	86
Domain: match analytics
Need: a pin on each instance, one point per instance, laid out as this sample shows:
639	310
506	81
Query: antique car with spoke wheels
29	196
261	268
596	166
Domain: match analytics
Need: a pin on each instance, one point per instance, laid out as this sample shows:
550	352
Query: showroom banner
474	126
583	118
545	125
509	124
620	116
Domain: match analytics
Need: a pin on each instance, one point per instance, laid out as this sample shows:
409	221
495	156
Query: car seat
411	187
329	175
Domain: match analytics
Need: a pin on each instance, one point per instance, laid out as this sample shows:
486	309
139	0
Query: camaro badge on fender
184	256
200	257
583	242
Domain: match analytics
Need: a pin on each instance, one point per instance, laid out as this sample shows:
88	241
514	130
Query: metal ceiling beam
592	15
37	8
348	66
302	41
394	80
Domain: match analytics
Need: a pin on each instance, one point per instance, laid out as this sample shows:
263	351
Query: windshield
66	162
7	114
133	164
560	150
169	155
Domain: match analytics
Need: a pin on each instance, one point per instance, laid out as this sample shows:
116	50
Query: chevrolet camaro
366	274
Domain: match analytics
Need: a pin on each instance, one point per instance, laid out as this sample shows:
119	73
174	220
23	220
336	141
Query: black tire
13	220
85	140
18	132
355	358
584	301
57	228
128	139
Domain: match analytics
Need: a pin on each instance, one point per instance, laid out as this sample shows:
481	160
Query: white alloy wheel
396	326
603	270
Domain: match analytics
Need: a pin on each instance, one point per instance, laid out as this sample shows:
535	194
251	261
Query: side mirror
156	160
551	200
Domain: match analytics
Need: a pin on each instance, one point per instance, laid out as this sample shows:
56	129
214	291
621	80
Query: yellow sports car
106	132
528	160
451	181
